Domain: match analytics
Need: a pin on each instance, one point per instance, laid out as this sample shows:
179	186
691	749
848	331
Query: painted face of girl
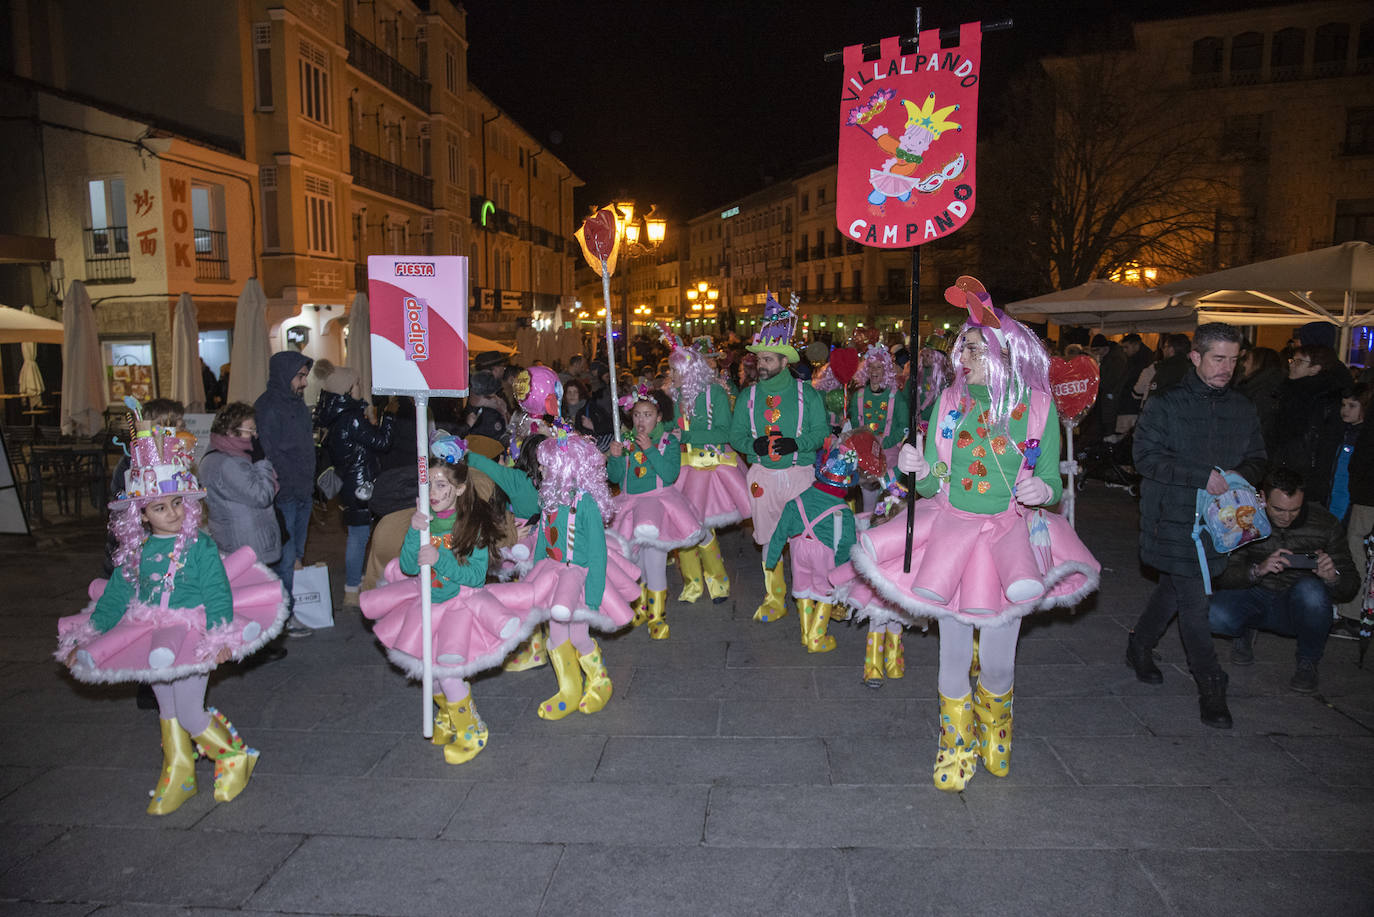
443	494
165	516
645	417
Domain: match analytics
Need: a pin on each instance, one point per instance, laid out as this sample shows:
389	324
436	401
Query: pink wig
887	370
934	375
1011	373
826	381
129	530
691	375
571	468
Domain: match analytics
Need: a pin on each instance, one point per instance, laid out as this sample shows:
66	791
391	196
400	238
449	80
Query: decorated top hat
775	334
159	466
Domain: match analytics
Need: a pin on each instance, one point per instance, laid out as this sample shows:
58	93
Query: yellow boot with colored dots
873	659
693	586
713	567
993	713
598	690
894	660
469	732
564	658
178	781
774	606
958	754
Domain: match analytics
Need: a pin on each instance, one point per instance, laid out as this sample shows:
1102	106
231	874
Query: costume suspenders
801	409
572	530
809	525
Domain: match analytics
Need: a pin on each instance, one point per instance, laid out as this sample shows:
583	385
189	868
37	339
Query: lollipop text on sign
417	328
1073	383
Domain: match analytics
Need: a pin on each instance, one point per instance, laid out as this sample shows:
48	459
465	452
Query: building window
1354	221
1329	48
271	229
455	162
820	196
1206	57
262	65
107	240
858	284
314	69
806	202
1247	50
358	221
207	221
319	215
1245	135
1364	47
1359	131
130	367
451	67
1286	54
397	232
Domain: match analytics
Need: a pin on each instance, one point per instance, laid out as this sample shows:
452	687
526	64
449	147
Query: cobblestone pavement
731	773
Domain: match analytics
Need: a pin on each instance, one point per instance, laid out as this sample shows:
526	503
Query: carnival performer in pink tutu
474	625
651	517
172	611
879	406
577	582
712	476
984	555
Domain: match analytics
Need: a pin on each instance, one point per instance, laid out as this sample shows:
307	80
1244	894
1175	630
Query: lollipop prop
600	240
1073	383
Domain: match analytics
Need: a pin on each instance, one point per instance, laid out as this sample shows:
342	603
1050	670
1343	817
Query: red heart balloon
599	231
1073	383
844	363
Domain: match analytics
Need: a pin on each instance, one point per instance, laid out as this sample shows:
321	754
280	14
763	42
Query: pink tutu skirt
720	493
560	591
983	570
473	631
864	604
149	644
517	559
661	519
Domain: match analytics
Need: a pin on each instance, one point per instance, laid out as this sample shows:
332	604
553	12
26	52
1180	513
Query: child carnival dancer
711	478
577	582
171	612
651	517
984	555
474	625
879	405
779	422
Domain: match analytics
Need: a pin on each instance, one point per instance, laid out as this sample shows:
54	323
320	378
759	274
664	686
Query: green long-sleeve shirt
524	498
790	525
202	581
447	576
868	410
809	430
696	431
589	545
984	460
639	471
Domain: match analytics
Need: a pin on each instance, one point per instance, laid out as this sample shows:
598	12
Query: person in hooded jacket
354	444
288	442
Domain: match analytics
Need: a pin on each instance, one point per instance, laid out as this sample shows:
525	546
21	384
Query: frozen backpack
1232	519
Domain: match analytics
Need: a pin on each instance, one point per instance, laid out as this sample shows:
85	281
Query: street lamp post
652	233
702	300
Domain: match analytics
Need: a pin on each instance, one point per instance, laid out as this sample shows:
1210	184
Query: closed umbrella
360	341
188	385
248	359
30	378
84	392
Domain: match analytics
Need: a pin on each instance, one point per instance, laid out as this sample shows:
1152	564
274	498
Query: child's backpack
1232	519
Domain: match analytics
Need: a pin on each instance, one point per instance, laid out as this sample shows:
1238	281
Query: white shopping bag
314	607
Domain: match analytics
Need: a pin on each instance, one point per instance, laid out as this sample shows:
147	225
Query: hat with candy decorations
836	462
159	463
779	324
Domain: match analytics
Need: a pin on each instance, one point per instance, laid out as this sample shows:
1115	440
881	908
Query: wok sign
908	139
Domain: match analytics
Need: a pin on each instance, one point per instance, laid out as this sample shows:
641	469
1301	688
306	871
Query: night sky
689	104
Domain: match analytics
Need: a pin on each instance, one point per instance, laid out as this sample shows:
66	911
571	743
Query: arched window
1329	49
1286	54
1247	56
1206	57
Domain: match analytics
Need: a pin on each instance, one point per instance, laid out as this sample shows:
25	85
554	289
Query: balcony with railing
817	252
803	256
212	254
387	70
833	250
107	255
376	174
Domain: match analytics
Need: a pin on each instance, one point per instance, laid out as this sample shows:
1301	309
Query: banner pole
1072	497
913	381
426	635
610	348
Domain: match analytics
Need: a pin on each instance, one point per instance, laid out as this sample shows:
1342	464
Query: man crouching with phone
1286	583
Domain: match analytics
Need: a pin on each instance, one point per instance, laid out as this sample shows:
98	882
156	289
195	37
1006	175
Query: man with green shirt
779	422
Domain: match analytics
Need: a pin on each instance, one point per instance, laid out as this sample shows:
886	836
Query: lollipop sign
600	240
1073	383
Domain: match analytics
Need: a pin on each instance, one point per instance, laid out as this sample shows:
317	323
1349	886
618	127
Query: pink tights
183	700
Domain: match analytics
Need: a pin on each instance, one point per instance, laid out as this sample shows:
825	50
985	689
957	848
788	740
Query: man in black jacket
1184	435
288	440
1286	583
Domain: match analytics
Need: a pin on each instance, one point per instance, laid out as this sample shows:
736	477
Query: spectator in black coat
1260	378
1112	362
1309	403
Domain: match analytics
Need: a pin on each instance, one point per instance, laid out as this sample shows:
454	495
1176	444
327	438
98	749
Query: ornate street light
639	236
702	300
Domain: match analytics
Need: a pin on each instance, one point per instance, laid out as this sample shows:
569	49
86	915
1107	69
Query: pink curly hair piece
1011	373
877	354
826	381
691	375
570	469
129	530
934	375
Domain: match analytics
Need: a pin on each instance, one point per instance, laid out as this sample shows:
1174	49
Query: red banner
908	138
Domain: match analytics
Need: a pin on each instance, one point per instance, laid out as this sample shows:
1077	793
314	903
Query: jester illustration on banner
908	135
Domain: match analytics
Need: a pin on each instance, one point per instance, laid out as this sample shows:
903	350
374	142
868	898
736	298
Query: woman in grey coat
240	485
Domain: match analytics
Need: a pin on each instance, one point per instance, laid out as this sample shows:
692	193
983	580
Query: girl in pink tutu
984	556
171	612
651	517
577	583
474	626
712	475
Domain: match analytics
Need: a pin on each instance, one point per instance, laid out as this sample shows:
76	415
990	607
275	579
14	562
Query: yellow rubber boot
820	641
531	654
443	723
894	658
993	714
469	732
839	611
178	781
640	607
774	605
693	586
873	659
598	690
713	568
957	757
234	760
804	607
564	659
658	609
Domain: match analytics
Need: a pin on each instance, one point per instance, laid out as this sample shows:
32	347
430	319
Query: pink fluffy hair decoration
569	469
130	532
878	355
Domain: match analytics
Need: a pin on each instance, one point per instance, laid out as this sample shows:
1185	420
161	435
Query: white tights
183	700
996	656
653	564
455	689
576	631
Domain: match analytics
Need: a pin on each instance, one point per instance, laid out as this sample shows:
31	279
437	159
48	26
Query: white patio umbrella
18	326
248	358
188	386
84	392
479	344
360	340
30	378
1097	303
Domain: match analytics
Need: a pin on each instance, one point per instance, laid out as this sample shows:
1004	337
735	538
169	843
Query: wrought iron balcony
212	255
376	174
387	70
107	254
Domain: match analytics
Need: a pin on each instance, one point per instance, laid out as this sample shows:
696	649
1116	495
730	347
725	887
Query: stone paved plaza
731	773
